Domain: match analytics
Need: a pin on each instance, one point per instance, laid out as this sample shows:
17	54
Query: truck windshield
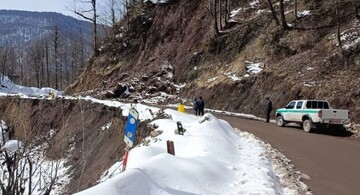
291	105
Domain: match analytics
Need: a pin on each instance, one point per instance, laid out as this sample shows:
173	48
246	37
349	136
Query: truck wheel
307	125
280	121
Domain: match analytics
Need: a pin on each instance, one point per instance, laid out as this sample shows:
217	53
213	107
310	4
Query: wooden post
170	147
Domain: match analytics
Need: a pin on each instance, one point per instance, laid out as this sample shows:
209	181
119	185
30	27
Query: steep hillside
304	61
71	130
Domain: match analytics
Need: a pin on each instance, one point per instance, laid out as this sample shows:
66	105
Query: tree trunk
227	12
42	68
56	56
93	20
93	2
338	23
295	10
213	8
220	15
273	12
47	61
113	17
283	18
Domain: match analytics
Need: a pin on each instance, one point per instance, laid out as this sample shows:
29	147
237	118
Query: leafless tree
284	24
56	55
22	170
47	62
4	58
112	11
92	17
227	12
295	9
220	14
273	12
35	60
213	10
357	8
338	32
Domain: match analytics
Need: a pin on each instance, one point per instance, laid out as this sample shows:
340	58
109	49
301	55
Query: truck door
298	112
289	111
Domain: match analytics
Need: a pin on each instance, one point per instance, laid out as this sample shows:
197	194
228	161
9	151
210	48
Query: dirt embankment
304	62
89	135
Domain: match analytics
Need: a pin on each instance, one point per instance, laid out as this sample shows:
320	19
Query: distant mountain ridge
19	28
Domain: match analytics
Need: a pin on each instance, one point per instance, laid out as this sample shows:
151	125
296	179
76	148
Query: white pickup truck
311	114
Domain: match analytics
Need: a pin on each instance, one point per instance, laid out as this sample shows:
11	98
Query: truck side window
291	105
299	105
314	104
308	104
321	105
326	105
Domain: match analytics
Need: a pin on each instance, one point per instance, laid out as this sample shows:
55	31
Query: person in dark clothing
195	107
201	106
268	108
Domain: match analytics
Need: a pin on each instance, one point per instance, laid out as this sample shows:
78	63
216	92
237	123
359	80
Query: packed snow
303	13
9	88
253	67
232	76
210	158
157	1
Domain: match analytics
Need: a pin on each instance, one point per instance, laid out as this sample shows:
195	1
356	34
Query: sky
60	6
210	158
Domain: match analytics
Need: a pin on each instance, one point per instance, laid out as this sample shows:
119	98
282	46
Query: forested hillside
43	48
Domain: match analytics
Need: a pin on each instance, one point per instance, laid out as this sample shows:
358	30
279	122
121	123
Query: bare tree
338	22
47	63
295	9
357	9
273	12
35	61
227	12
92	18
284	25
213	10
4	57
111	11
23	169
56	54
220	14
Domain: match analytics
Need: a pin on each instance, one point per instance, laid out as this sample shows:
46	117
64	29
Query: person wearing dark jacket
195	107
201	106
268	108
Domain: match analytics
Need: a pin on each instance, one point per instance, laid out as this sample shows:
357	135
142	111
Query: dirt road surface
330	161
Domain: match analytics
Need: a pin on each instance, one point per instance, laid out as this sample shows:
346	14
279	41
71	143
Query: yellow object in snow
52	95
181	108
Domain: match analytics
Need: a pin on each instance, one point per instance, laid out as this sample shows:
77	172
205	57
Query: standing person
201	105
268	108
195	107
